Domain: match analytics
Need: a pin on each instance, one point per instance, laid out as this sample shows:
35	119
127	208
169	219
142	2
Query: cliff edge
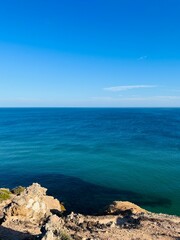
30	214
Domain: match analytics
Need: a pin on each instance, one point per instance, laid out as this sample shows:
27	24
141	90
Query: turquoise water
88	157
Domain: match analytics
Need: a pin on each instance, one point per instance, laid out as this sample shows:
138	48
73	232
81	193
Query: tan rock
31	207
52	203
55	229
118	207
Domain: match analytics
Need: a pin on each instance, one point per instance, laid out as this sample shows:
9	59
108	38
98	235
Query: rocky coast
29	214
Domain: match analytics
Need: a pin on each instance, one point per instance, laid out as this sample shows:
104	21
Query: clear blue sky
115	53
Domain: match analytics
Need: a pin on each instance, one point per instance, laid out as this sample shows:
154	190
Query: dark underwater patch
81	196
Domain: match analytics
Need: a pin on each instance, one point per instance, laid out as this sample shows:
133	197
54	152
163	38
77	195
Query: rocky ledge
29	214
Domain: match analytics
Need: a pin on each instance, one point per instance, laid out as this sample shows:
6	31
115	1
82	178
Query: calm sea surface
88	157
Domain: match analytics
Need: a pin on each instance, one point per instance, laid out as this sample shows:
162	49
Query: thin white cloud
142	58
150	98
128	87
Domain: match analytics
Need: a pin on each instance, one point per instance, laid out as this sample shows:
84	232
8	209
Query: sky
90	53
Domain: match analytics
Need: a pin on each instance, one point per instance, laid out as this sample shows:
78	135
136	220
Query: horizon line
90	107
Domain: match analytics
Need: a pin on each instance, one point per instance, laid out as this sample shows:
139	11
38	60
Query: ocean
89	157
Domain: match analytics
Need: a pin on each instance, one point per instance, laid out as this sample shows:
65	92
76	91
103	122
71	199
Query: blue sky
118	53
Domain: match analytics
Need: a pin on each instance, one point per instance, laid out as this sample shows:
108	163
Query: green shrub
65	236
18	190
63	209
4	194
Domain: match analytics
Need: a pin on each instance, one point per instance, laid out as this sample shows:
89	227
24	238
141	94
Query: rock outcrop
144	226
55	229
33	215
124	207
30	209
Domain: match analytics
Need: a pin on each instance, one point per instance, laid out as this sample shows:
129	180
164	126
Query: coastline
29	213
127	154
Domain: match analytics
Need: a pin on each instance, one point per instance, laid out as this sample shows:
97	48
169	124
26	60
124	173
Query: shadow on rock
9	234
129	222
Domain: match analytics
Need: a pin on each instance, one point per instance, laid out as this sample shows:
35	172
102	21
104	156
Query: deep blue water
88	157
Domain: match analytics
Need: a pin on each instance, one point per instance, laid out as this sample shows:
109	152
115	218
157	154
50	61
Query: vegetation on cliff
5	194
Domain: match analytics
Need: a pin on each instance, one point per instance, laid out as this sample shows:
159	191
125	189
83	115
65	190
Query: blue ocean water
88	157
